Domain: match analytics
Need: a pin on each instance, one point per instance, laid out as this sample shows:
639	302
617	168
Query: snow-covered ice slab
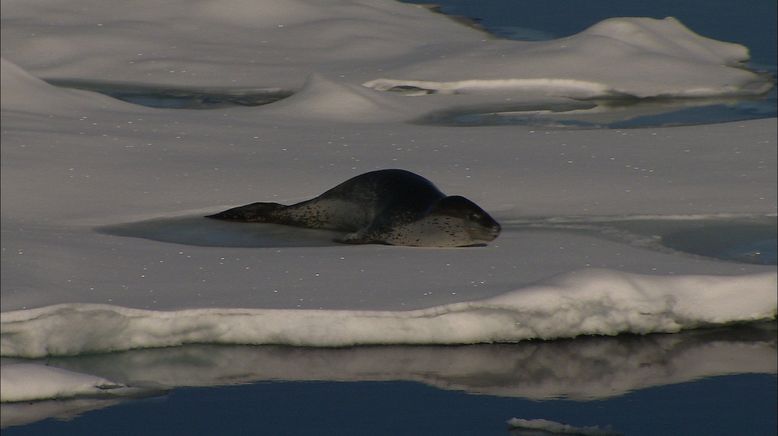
593	302
651	58
75	162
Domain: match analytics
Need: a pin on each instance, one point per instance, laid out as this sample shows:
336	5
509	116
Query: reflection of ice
27	381
582	369
17	414
543	427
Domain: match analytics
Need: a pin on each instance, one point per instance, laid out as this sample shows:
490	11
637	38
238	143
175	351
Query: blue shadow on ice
746	240
748	243
200	231
742	239
170	97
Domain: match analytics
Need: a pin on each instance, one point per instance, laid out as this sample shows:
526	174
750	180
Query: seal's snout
494	232
490	226
486	229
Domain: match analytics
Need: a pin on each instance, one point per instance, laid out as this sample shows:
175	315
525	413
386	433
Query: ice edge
586	302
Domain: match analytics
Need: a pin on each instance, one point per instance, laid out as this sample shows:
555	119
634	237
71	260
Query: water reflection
582	369
543	427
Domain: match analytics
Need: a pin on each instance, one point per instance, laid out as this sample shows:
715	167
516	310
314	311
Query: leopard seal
392	206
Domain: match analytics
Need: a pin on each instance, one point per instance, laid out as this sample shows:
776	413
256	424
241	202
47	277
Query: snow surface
74	162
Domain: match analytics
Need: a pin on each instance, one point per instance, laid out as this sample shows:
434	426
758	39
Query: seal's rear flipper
250	213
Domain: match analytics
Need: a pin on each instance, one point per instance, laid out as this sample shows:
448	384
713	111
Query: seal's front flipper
250	213
360	237
352	238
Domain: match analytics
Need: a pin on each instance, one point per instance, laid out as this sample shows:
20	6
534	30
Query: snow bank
321	98
582	303
26	93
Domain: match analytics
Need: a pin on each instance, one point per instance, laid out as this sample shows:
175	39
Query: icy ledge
587	302
616	58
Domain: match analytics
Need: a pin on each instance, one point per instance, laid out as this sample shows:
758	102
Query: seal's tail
250	213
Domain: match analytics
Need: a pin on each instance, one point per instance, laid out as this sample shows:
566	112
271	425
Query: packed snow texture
74	162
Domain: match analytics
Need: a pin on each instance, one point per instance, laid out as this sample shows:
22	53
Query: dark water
726	405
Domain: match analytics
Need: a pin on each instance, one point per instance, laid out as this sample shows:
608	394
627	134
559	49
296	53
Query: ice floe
75	163
639	57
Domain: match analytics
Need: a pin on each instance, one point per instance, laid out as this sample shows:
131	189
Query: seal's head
449	222
467	217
